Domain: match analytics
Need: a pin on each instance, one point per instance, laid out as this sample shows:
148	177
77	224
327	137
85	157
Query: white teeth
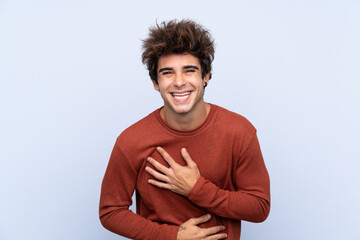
181	95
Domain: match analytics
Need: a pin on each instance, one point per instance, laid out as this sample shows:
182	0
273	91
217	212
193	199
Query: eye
190	70
166	73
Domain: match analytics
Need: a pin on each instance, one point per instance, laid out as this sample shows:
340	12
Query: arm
250	201
117	188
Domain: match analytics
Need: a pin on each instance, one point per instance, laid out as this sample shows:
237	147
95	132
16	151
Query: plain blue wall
71	80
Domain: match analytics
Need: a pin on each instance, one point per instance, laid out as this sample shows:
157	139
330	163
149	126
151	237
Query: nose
179	80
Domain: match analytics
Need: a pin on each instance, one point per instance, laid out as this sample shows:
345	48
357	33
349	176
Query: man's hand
177	178
189	230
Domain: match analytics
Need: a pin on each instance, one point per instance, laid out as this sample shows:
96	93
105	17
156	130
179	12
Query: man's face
180	83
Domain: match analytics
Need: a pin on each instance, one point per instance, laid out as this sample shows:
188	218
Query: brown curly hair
173	37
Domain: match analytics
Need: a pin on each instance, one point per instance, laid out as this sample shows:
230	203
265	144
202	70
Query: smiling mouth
180	95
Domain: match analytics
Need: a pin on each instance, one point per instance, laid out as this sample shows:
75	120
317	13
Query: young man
197	168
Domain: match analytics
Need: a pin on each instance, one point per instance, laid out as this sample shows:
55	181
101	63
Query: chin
181	110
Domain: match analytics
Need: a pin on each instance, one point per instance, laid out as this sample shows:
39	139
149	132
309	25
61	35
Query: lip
182	91
182	96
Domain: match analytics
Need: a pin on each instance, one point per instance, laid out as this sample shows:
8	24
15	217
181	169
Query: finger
160	184
216	236
202	219
213	230
187	157
158	165
157	175
167	157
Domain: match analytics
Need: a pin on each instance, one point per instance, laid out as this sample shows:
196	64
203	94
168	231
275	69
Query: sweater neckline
207	121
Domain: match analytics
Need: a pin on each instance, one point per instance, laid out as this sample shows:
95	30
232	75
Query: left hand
176	178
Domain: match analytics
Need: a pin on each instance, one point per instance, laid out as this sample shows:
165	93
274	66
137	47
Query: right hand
190	231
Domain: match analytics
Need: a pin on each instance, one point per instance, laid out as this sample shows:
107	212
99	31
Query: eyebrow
165	69
191	67
185	67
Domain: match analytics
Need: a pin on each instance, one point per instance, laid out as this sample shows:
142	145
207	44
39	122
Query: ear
207	77
156	86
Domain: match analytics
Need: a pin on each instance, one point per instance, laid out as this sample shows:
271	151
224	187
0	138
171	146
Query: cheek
198	83
161	88
163	93
165	85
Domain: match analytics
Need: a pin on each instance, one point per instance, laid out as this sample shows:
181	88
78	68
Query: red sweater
234	183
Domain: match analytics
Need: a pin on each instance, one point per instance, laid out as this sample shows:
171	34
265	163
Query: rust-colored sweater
234	183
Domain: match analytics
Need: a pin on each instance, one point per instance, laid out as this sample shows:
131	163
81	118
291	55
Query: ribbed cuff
195	192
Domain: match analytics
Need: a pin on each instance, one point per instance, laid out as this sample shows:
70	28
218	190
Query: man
197	168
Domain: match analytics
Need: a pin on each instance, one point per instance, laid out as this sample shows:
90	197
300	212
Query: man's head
178	37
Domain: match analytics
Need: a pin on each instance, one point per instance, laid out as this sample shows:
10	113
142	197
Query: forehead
177	61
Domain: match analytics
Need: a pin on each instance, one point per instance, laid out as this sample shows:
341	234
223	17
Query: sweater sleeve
116	191
250	201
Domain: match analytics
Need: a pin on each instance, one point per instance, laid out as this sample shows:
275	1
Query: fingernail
223	227
208	215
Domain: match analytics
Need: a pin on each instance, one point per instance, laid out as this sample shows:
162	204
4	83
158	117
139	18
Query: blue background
71	80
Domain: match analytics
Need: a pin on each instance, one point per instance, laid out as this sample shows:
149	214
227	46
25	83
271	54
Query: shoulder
138	131
237	129
233	122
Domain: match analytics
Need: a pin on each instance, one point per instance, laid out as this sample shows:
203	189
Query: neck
186	121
